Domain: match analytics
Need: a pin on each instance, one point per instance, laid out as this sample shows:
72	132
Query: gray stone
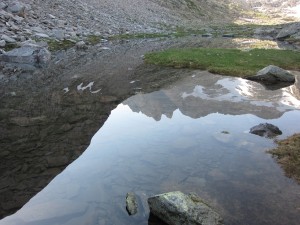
288	31
131	203
8	39
81	45
176	208
272	75
2	5
38	30
41	35
27	55
58	34
43	56
2	43
15	7
265	130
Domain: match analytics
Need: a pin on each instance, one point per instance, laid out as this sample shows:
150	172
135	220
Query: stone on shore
8	39
176	208
131	203
27	55
288	31
266	130
273	75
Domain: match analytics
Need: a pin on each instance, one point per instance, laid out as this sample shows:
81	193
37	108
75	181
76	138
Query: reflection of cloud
201	95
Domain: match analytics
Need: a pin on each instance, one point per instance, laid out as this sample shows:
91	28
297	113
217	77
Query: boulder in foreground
176	208
273	75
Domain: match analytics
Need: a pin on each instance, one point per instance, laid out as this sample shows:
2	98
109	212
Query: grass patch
138	36
55	45
10	46
94	39
232	62
287	155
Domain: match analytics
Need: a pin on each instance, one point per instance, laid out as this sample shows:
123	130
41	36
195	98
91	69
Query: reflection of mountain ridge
216	94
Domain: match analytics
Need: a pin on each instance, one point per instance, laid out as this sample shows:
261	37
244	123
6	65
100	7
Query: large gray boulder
273	75
288	31
176	208
266	130
16	7
32	54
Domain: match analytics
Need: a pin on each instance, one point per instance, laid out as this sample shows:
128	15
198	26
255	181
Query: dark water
193	136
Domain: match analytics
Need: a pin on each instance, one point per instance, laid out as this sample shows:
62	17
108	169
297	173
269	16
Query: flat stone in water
176	208
131	203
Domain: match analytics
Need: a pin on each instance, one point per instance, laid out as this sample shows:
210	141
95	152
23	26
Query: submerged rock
176	208
266	130
131	203
272	75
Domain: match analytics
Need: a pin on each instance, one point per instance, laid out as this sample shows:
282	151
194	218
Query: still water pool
193	137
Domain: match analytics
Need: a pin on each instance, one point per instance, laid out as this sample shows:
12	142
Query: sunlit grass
232	62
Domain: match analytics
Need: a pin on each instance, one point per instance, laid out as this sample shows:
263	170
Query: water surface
193	137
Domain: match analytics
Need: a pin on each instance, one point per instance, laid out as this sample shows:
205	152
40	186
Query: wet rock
176	208
265	130
272	75
131	203
28	55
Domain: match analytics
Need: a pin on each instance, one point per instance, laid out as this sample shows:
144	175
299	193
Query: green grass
232	62
138	36
55	45
94	39
10	46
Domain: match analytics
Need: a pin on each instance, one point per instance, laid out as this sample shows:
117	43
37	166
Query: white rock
51	16
41	35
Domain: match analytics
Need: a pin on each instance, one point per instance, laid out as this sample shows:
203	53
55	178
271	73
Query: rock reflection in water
40	135
190	137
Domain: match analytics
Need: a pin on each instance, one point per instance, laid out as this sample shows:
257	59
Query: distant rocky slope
21	20
24	19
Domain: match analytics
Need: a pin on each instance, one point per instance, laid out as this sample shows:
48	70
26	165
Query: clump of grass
287	155
138	36
55	45
232	62
10	46
94	39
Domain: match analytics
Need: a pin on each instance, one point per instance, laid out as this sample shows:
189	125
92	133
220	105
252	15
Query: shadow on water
192	136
